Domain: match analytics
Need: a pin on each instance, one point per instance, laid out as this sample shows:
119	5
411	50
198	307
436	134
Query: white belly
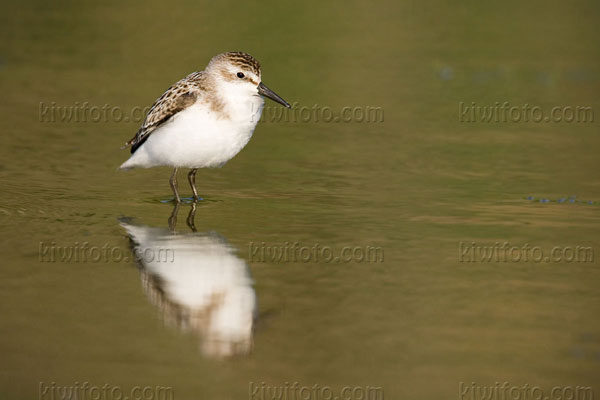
197	138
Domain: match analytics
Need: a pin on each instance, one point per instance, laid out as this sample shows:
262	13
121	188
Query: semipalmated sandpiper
203	120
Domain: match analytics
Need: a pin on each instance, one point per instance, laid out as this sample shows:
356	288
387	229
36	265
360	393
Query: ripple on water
571	199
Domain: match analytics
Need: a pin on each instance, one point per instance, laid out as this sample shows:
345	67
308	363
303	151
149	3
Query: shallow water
420	185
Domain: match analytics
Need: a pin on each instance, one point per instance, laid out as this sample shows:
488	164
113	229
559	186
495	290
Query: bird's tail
129	164
139	159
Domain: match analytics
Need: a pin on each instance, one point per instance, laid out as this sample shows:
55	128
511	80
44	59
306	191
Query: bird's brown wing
178	97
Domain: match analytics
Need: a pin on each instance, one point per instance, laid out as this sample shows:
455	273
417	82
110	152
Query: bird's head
239	73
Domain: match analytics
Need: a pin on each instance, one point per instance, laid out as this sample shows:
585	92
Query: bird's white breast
201	136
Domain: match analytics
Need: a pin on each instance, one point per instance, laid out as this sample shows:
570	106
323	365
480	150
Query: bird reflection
198	284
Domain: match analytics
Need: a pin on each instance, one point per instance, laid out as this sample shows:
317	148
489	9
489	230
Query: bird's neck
241	107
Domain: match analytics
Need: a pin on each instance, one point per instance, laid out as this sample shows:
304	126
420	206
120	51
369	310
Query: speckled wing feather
178	97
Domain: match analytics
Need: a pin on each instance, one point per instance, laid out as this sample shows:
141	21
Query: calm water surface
420	185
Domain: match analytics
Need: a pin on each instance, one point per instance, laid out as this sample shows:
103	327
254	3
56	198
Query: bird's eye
240	75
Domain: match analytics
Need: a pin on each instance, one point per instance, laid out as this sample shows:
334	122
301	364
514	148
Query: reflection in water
198	283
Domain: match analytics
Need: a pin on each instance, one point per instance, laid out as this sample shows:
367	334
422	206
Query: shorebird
203	120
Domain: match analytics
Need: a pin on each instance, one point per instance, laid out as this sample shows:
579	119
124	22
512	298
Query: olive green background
417	184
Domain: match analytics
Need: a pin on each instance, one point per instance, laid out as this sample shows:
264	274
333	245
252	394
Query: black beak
265	91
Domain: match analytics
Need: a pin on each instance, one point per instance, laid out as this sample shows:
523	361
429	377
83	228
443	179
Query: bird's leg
173	217
173	182
192	180
190	218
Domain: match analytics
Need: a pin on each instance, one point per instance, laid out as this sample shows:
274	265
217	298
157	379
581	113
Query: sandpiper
203	120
